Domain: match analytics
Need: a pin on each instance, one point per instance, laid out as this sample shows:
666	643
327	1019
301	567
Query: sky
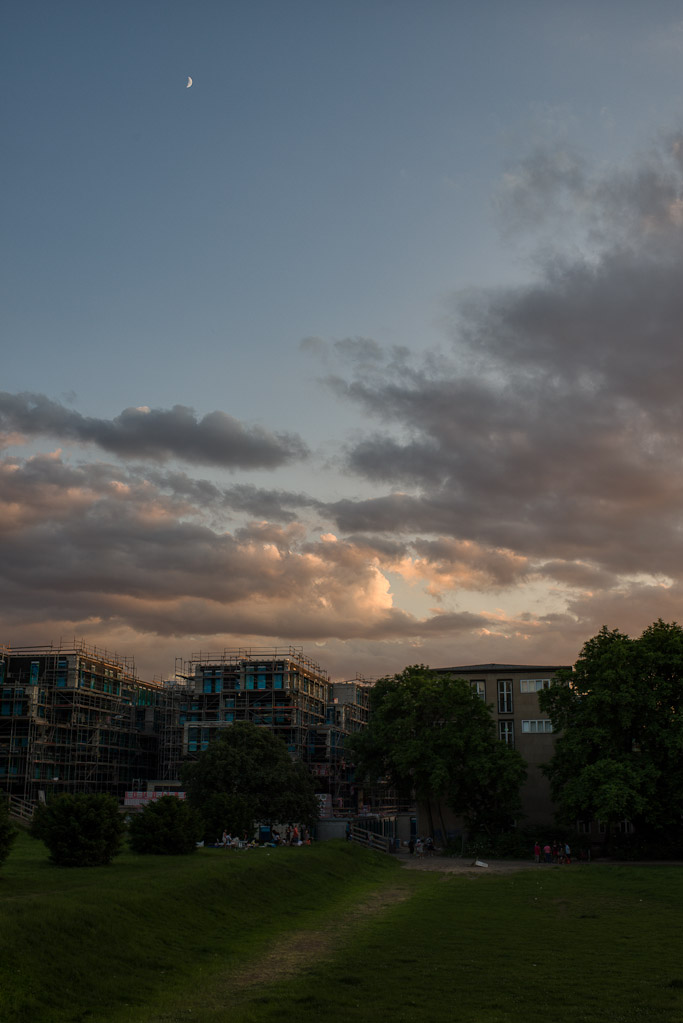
368	342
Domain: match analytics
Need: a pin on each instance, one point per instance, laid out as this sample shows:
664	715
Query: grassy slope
85	943
164	938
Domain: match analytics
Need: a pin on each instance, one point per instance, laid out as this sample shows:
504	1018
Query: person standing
547	852
537	852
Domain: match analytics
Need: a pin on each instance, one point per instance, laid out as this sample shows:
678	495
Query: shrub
7	832
168	826
80	830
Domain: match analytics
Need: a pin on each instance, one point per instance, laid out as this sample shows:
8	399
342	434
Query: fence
382	843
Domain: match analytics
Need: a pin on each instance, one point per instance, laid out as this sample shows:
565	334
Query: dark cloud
554	427
154	434
258	502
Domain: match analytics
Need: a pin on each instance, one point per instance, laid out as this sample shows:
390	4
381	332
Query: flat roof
470	668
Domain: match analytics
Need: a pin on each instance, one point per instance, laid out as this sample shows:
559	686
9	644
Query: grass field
335	933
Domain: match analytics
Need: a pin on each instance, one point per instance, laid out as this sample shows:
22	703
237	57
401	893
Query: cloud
90	546
526	480
553	428
154	434
258	502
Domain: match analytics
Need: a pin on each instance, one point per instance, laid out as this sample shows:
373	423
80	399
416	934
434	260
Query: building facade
511	691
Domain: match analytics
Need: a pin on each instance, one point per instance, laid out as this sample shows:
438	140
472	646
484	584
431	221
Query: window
532	685
506	732
540	725
504	696
583	827
625	828
479	688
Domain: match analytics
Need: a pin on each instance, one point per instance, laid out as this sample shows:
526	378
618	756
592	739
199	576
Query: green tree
8	832
167	827
431	735
80	830
247	775
619	715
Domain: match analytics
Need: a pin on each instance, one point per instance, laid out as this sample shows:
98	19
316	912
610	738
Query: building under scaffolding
77	719
283	690
74	719
279	687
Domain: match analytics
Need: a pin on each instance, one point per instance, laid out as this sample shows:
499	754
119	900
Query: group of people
292	836
558	852
421	847
229	841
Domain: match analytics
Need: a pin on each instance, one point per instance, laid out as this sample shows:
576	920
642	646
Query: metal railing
21	809
371	840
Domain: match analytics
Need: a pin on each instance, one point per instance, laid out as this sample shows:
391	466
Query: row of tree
618	753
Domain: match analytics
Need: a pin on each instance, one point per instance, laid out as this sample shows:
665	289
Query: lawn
335	933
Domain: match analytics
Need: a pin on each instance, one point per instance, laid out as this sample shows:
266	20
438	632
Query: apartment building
74	719
511	690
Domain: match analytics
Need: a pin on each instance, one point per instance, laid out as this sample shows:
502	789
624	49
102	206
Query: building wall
511	690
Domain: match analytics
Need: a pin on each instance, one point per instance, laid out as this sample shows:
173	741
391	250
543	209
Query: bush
7	832
80	830
168	826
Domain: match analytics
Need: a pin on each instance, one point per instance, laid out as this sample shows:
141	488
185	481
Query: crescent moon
189	83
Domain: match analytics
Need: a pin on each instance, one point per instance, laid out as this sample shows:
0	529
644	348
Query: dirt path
451	865
290	954
293	952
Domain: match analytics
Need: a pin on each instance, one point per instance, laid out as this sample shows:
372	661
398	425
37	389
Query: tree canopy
167	827
619	752
432	735
246	775
82	830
